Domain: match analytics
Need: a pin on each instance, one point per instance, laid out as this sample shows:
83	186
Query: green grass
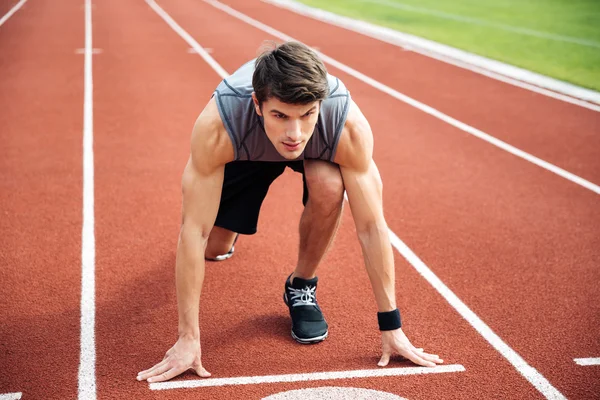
496	30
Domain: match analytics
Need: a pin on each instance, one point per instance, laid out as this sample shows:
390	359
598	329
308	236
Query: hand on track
184	355
396	342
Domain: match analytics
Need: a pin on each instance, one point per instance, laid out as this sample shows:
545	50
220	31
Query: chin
290	155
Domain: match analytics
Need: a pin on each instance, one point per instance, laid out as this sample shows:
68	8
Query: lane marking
481	22
333	393
527	371
314	376
587	361
87	356
510	74
191	50
417	104
188	38
11	396
82	51
12	11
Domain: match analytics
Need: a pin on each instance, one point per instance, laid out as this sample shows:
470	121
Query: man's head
289	82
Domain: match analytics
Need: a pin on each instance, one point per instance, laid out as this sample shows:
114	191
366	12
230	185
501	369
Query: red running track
517	244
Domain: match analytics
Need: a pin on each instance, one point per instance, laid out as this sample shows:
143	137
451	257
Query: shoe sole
311	340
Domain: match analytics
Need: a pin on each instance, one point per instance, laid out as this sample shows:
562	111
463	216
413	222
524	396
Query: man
281	110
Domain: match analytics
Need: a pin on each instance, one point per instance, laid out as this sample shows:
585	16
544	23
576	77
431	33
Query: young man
281	110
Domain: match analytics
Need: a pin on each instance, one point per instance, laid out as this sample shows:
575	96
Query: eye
280	116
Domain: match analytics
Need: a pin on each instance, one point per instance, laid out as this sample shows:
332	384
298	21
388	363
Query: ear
256	104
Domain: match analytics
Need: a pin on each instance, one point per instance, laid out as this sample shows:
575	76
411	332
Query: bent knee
325	184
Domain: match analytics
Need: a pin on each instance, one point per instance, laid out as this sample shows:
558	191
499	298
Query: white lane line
11	12
417	104
11	396
490	24
315	376
193	51
82	51
87	356
485	66
527	371
188	38
587	361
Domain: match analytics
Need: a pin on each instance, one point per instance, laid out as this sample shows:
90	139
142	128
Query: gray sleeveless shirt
246	127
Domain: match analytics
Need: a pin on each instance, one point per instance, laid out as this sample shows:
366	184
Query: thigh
245	186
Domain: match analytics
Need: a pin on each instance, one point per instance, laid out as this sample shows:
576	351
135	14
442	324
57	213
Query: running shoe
308	324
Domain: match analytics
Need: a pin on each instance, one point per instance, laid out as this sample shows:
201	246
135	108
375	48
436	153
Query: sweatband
389	321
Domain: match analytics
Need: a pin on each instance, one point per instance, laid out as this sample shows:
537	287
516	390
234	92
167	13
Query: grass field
557	38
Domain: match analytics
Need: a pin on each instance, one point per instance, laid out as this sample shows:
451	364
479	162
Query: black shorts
245	186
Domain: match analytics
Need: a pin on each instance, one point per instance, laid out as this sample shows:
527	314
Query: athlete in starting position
281	110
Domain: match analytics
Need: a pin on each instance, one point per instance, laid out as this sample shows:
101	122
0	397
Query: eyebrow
282	113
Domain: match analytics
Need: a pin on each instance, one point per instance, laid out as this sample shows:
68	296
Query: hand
396	342
184	355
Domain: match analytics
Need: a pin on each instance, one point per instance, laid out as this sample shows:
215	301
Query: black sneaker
308	324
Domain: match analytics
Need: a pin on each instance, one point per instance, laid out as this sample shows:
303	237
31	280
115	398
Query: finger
155	372
202	372
414	357
165	376
149	370
430	357
385	359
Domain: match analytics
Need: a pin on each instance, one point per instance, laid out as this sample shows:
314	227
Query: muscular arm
201	188
364	189
201	194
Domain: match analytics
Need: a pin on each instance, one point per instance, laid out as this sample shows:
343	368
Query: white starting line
11	396
315	376
587	361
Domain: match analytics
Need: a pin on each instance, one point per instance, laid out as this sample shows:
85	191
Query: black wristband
388	321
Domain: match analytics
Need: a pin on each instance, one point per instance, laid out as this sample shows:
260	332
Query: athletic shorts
245	186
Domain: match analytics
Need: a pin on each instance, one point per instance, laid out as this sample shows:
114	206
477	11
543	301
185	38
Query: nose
294	131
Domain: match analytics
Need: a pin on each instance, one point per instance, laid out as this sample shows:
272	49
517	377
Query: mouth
291	146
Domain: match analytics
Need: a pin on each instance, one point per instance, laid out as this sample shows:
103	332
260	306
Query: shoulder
355	147
211	146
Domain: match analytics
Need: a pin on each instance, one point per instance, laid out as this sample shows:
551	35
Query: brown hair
291	72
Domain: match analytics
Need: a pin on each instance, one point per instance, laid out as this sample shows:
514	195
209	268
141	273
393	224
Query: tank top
246	128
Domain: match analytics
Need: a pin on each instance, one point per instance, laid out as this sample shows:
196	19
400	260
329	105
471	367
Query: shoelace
304	296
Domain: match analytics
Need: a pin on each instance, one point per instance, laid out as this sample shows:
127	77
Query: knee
325	185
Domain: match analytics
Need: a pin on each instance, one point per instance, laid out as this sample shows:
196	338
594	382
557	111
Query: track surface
518	244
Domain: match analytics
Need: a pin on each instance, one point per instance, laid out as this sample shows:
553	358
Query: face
288	126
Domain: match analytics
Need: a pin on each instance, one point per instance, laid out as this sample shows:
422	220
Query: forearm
379	262
189	280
